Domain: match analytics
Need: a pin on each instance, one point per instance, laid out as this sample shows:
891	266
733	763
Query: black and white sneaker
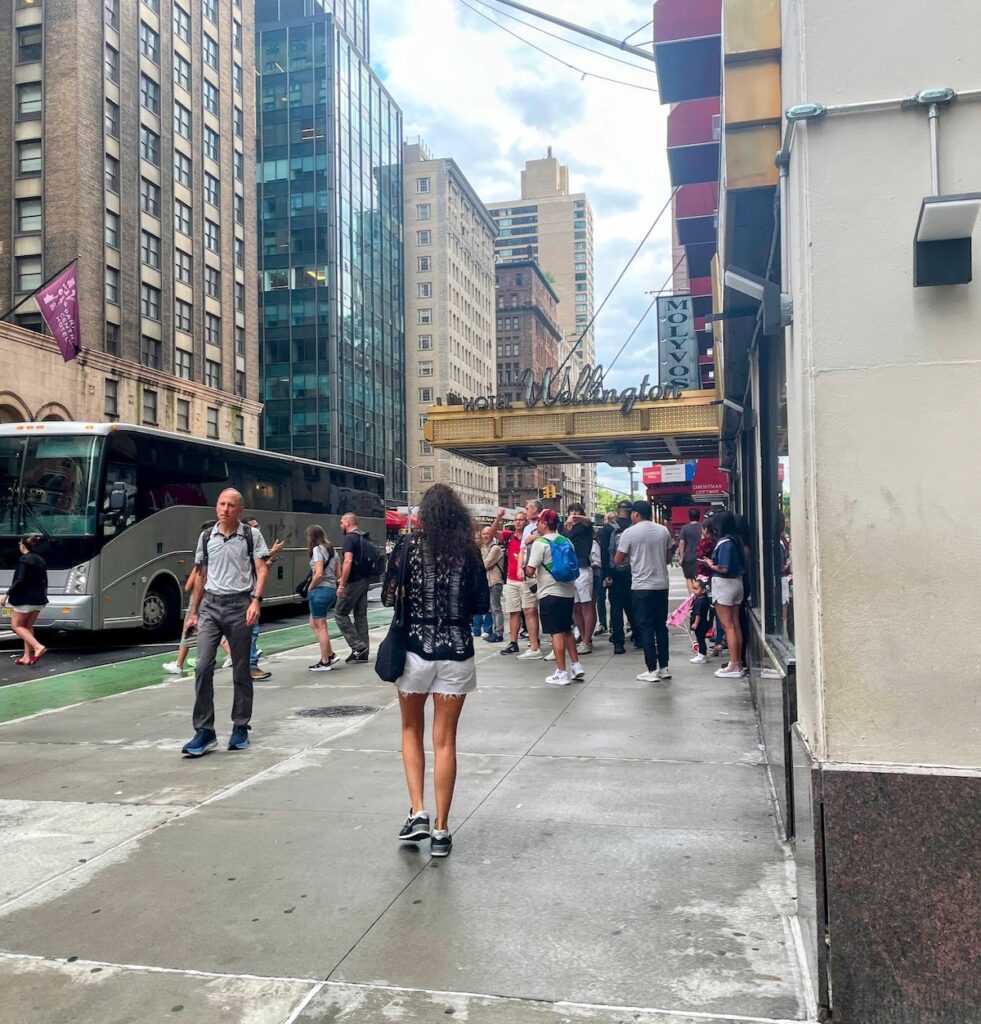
356	656
321	666
511	648
332	661
441	843
416	828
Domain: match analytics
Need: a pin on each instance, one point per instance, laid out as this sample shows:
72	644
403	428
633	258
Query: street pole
620	44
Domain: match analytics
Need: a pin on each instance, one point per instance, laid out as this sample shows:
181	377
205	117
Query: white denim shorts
727	592
584	585
453	678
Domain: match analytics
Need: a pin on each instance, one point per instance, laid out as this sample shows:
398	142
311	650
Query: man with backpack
552	562
359	563
617	577
495	562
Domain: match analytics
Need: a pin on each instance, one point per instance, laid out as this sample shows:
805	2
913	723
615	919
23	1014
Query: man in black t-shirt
579	530
352	591
688	537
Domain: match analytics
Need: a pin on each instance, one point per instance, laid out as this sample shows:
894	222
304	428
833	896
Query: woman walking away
322	594
27	596
444	587
728	563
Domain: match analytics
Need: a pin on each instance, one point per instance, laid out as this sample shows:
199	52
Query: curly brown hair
447	526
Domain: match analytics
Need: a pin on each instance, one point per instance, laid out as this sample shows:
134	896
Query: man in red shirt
517	596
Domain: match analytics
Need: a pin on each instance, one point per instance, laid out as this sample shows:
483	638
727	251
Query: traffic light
549	491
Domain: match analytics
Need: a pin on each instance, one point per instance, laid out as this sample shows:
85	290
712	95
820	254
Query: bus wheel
161	608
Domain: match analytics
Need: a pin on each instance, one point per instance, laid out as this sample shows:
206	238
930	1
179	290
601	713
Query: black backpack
249	545
371	559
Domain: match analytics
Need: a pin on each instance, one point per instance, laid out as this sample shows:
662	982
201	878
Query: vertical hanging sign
677	346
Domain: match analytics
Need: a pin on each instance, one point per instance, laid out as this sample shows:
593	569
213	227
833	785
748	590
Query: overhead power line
613	287
552	56
636	30
568	42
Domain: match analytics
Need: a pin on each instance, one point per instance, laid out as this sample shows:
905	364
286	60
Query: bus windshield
49	485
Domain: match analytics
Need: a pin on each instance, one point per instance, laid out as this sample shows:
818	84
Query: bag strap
401	607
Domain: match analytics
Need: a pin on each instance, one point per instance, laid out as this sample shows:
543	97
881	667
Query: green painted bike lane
34	695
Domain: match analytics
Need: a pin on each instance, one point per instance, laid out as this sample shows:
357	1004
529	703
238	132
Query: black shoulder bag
390	660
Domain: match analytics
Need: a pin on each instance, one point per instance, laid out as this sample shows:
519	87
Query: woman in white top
322	594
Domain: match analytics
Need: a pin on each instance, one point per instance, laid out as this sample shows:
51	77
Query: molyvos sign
588	390
677	348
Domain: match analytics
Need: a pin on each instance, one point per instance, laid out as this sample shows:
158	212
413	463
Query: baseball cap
628	505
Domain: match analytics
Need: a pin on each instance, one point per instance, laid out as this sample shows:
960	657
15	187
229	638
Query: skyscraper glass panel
329	182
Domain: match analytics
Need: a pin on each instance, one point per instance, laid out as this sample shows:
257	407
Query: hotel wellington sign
550	390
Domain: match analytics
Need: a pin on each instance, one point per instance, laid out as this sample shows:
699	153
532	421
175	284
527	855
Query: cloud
550	109
606	199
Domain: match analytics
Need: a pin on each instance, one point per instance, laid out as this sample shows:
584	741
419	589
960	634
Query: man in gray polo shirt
226	602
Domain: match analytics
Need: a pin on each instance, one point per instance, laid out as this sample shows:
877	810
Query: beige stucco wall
884	388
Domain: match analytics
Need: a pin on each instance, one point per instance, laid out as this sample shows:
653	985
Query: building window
238	165
150	249
212	189
182	120
112	13
182	24
237	78
239	428
239	297
212	373
182	72
149	94
212	236
112	229
150	302
150	353
426	473
183	312
424	290
112	285
149	406
423	420
425	316
29	159
238	121
149	43
236	34
425	342
212	145
240	341
239	253
183	364
209	8
112	339
183	414
212	422
212	282
149	145
426	395
240	383
149	197
238	202
112	64
182	266
425	369
422	185
182	169
423	211
153	5
424	238
28	216
28	273
209	49
29	44
112	119
29	101
182	217
212	329
425	448
210	92
111	400
424	264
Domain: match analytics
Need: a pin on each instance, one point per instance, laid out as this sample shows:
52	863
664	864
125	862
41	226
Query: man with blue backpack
553	564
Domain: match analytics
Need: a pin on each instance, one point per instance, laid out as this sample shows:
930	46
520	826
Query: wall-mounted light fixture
777	306
943	239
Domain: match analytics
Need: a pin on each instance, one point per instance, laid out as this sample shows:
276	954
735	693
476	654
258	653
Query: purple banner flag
58	302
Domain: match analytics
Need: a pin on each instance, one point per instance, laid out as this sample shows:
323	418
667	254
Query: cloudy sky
492	101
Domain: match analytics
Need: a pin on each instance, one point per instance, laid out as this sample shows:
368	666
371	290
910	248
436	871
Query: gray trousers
354	602
496	613
223	615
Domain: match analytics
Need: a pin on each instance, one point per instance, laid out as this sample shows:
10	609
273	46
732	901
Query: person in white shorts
518	597
445	585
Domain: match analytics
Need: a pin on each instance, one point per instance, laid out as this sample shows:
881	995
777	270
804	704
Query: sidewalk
615	858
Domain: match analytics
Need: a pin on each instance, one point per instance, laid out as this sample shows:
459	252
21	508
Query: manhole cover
338	711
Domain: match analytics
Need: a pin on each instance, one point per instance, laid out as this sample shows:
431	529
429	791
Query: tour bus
121	508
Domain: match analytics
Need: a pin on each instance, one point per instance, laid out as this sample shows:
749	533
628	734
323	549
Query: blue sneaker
239	738
204	740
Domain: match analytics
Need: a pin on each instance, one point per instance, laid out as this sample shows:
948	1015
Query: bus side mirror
117	501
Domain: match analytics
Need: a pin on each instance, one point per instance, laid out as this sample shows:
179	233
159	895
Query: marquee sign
677	347
588	389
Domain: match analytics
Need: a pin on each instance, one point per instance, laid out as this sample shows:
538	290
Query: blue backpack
564	566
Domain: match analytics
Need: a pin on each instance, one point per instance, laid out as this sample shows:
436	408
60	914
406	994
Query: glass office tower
329	193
